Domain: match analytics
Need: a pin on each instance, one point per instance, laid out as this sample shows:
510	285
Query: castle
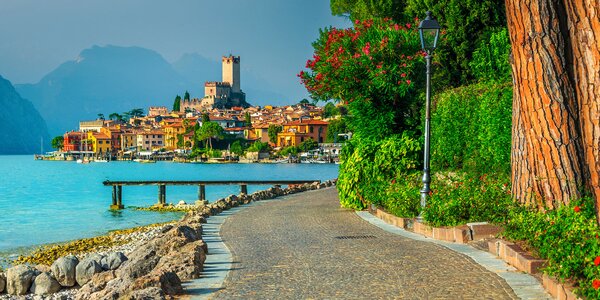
224	94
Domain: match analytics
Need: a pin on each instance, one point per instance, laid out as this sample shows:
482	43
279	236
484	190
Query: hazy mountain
111	79
22	129
198	69
103	80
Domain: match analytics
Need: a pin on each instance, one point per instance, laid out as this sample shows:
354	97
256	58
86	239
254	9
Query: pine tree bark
556	105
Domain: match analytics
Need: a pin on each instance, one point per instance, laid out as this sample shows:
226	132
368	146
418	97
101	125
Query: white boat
101	160
79	161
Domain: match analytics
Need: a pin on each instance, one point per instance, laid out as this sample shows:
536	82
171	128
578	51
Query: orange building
297	132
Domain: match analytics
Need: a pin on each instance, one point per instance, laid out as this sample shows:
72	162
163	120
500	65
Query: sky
273	37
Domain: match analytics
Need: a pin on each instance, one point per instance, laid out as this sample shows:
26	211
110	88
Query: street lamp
429	31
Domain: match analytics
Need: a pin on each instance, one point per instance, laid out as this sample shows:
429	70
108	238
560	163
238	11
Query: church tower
231	72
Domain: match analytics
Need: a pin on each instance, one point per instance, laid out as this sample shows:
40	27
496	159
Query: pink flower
597	261
396	27
577	209
403	75
408	81
408	25
367	48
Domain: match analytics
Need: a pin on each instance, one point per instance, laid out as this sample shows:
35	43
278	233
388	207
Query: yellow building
128	141
171	132
100	142
297	132
258	132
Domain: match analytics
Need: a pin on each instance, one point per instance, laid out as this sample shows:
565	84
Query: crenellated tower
231	72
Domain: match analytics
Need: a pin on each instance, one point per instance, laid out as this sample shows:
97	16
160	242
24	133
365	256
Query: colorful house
100	142
297	132
172	131
150	140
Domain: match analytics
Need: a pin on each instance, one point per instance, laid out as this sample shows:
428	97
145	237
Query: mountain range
22	129
107	79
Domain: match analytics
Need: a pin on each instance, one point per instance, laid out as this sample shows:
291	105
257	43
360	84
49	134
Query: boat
101	160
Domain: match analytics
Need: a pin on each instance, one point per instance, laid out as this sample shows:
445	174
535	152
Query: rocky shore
152	264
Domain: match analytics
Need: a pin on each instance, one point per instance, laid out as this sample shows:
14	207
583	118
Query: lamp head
429	31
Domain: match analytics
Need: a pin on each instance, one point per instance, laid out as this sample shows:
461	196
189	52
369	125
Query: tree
186	96
308	144
177	103
205	118
368	9
180	142
115	117
248	120
236	147
330	110
272	132
555	107
304	101
100	116
57	142
334	128
136	113
258	146
208	131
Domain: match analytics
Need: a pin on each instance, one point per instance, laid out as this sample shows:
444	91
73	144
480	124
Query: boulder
113	260
19	279
97	283
63	270
181	203
45	284
167	281
187	262
150	293
42	268
86	269
141	261
2	282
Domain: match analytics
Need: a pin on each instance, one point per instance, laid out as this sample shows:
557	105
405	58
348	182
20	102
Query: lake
52	201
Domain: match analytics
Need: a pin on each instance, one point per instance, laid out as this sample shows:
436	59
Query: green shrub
369	169
568	237
471	129
461	198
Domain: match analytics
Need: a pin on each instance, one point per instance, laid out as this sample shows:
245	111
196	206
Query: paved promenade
306	247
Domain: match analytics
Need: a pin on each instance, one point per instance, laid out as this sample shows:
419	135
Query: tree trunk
556	109
584	32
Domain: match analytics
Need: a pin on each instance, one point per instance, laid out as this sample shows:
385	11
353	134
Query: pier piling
201	192
117	192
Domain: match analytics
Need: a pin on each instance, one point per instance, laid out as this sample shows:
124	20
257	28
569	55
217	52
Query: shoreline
176	248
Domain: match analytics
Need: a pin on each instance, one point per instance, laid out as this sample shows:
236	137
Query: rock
141	261
45	284
19	279
187	262
181	203
167	281
43	268
97	257
97	283
2	282
63	270
86	269
150	293
113	260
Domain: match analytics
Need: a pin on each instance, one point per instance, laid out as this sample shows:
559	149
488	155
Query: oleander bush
568	237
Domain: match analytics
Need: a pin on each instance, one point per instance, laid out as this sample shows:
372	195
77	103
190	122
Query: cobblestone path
291	249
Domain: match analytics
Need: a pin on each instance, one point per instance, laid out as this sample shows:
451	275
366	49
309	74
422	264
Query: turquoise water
52	201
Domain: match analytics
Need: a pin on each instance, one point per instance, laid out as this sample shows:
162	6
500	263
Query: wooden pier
117	192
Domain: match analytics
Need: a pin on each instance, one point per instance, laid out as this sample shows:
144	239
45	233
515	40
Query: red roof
307	122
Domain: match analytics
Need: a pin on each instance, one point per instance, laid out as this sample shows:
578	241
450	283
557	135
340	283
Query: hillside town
165	134
221	126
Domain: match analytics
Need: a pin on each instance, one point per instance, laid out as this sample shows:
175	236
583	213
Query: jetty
117	187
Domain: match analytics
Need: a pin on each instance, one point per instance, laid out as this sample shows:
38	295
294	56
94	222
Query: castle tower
231	72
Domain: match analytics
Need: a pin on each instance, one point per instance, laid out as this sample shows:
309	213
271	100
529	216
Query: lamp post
429	31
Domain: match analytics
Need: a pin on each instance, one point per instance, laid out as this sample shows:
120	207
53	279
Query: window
147	142
310	128
99	142
302	139
160	142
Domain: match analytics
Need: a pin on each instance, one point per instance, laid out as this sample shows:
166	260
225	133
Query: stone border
458	234
523	261
524	285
